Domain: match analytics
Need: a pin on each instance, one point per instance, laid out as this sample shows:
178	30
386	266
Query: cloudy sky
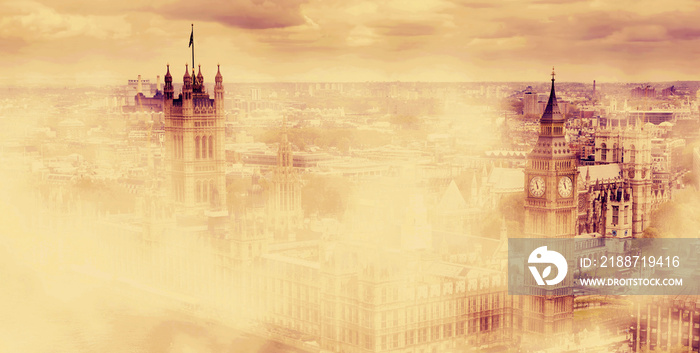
108	41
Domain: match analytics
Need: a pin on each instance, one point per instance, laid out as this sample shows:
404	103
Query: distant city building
255	94
643	92
71	129
667	154
285	211
664	323
506	158
142	102
268	160
655	117
141	85
530	102
668	91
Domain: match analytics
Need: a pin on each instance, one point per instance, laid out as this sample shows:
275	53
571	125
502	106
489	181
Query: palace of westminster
399	287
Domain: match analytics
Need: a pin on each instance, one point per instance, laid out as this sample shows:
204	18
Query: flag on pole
191	38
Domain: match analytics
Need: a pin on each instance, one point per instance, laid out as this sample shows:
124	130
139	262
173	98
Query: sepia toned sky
107	41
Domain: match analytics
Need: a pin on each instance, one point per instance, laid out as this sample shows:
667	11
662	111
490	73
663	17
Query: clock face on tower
537	186
565	186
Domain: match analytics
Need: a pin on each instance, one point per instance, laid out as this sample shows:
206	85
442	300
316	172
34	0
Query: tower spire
218	76
551	112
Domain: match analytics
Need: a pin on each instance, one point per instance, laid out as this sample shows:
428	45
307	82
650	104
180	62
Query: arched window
211	146
615	159
632	154
204	147
177	146
603	152
205	190
196	147
211	190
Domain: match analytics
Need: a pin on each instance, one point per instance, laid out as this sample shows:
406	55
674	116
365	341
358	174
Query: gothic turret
168	88
187	93
198	86
168	92
218	78
219	92
186	78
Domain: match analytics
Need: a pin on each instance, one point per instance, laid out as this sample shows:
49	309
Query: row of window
179	189
550	130
604	153
414	314
564	223
297	312
540	164
178	146
204	190
418	336
203	147
204	123
616	215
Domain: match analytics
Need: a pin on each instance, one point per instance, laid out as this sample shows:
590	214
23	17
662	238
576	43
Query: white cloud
39	22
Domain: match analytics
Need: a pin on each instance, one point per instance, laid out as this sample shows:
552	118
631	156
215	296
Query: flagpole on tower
192	45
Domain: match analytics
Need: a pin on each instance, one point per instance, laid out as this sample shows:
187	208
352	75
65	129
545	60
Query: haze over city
62	43
335	176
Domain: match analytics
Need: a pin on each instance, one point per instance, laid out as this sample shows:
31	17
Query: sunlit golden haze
101	42
309	198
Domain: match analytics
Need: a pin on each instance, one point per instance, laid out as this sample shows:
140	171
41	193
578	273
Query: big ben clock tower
550	179
551	203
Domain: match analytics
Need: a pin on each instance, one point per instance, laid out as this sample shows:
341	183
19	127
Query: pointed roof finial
218	77
200	77
553	73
